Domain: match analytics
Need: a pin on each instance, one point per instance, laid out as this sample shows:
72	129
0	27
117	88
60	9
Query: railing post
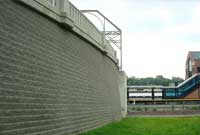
103	34
176	93
152	92
128	94
52	2
121	51
163	92
64	7
65	13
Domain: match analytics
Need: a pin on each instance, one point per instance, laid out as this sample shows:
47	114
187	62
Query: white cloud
152	54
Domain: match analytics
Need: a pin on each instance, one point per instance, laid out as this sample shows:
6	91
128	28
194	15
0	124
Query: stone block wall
52	81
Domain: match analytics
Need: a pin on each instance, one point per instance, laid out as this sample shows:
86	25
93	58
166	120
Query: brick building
192	63
192	67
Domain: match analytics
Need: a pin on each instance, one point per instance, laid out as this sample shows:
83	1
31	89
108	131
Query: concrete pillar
123	92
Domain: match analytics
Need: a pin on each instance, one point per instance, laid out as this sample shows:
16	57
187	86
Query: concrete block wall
52	82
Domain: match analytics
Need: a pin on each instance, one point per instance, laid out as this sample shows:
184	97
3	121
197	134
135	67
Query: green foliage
145	109
139	109
158	80
177	80
151	126
195	108
173	107
154	109
133	109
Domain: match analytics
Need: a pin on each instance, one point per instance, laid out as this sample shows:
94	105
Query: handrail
184	82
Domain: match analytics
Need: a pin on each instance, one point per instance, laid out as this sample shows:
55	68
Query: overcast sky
157	34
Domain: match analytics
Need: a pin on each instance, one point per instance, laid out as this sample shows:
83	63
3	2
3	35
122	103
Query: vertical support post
163	92
64	6
152	92
176	93
121	50
199	93
183	104
128	94
104	30
52	2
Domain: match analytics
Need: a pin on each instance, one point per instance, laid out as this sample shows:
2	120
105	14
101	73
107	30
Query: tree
177	80
158	80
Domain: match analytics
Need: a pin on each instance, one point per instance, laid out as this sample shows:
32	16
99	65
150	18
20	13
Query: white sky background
157	34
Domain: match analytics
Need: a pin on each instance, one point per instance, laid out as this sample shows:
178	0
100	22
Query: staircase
182	89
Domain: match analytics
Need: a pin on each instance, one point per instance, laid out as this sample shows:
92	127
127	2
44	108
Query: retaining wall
52	81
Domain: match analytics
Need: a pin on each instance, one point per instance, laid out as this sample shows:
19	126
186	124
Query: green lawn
151	126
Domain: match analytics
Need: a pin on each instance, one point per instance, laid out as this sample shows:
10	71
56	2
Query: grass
151	126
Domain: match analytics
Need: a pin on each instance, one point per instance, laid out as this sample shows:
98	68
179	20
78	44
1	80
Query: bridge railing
67	14
83	23
78	18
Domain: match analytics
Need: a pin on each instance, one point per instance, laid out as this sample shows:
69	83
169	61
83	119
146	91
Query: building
193	67
192	63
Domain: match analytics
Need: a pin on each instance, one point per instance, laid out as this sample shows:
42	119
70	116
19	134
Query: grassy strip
151	126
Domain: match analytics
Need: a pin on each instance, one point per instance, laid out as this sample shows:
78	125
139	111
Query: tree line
158	80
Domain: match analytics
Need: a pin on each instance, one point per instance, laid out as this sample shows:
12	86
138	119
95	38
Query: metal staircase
182	89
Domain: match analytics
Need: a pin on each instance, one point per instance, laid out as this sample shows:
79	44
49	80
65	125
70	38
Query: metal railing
110	32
